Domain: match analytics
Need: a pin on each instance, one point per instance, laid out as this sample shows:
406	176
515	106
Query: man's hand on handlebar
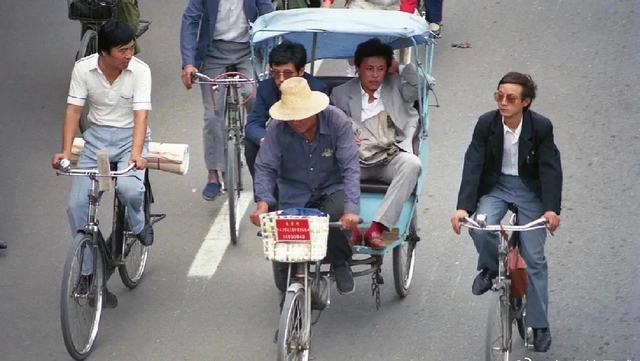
140	162
261	208
554	220
58	157
455	219
349	220
187	72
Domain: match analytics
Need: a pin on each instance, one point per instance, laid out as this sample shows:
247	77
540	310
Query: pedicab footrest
293	239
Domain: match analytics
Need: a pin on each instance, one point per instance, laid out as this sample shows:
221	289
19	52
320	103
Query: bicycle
121	250
235	116
504	309
92	14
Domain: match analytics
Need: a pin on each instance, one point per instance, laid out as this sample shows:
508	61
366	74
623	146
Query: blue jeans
511	189
117	142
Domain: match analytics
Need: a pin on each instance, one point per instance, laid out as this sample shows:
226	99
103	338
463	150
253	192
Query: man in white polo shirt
117	88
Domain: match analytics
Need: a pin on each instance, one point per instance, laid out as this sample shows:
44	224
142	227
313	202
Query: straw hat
298	101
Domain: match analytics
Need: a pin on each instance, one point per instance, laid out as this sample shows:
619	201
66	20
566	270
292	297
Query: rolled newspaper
172	158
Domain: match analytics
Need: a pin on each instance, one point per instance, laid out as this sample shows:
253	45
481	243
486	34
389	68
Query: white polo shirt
110	104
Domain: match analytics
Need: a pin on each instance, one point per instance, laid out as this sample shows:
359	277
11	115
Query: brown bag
517	269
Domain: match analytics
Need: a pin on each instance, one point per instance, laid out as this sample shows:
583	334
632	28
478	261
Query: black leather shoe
344	278
146	236
109	300
541	339
483	281
3	245
83	285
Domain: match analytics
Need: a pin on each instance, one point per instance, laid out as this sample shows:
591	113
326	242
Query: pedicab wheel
80	312
498	337
135	254
89	45
404	259
232	177
281	282
291	330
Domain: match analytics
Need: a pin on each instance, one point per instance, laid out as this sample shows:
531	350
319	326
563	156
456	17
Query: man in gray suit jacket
380	104
214	36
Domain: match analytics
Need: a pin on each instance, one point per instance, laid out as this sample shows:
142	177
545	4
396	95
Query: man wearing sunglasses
513	159
287	60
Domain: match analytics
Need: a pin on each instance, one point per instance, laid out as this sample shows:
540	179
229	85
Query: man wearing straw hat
310	152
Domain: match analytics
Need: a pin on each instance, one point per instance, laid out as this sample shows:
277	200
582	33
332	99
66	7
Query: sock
356	233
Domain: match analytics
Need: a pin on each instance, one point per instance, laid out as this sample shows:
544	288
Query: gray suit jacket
398	93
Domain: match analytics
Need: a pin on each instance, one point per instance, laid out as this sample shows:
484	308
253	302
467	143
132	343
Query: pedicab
335	34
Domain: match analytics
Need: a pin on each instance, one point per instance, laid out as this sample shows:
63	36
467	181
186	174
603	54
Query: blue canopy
395	28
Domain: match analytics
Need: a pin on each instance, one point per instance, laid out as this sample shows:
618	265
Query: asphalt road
585	56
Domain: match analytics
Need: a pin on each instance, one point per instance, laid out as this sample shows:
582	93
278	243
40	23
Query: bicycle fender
294	287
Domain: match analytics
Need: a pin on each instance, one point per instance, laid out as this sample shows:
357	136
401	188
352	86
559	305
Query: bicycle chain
375	288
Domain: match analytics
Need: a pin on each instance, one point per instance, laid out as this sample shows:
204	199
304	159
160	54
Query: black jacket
538	160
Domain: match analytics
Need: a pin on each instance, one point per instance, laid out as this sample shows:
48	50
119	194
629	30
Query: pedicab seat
370	185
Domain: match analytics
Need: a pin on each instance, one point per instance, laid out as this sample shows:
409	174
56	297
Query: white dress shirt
510	149
231	23
370	110
110	104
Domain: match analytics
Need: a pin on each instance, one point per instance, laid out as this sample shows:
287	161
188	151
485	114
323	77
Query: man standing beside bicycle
210	44
512	159
117	87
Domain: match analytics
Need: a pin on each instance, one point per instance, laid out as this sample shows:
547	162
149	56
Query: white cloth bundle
172	158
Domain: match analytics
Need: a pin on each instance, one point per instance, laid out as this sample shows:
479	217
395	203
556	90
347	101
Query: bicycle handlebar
470	223
64	168
224	79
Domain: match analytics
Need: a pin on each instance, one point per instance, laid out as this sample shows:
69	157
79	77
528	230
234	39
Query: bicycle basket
293	239
91	10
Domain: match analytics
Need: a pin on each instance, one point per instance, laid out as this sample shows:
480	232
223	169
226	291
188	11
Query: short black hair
529	87
114	33
288	52
373	47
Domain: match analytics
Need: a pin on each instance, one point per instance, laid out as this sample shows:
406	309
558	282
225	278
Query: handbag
98	10
517	269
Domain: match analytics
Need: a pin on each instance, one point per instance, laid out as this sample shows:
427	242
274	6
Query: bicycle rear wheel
88	47
404	259
134	254
232	192
498	337
80	312
291	329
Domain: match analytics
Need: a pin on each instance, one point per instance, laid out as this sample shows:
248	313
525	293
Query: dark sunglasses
499	97
285	74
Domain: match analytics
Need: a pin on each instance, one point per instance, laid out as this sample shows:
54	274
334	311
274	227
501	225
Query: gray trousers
221	54
511	189
402	174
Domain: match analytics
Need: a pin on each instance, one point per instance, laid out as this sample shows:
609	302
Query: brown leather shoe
375	241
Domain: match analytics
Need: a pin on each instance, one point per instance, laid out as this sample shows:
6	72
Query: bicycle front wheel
232	178
498	337
291	332
80	307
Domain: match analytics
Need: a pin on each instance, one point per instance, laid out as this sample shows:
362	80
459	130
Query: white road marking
215	243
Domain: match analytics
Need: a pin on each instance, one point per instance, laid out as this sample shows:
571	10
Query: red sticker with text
293	230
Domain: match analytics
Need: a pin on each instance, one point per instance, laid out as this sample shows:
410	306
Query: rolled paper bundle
168	157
